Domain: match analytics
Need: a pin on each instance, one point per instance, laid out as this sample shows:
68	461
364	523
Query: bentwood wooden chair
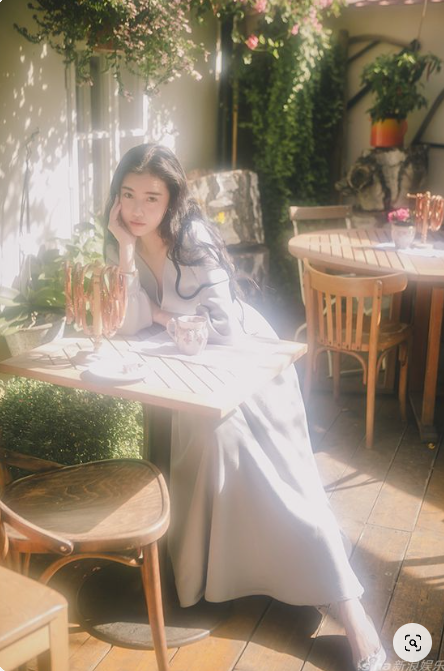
114	509
319	216
338	322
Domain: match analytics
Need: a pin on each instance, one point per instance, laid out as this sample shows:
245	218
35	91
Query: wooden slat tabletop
358	249
209	389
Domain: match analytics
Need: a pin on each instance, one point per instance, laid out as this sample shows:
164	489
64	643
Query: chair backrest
339	214
46	541
336	309
53	542
11	459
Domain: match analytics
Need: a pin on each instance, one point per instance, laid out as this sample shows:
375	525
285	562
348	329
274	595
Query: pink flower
260	6
295	29
402	214
252	42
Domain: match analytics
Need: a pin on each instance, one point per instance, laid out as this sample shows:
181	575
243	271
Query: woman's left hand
161	316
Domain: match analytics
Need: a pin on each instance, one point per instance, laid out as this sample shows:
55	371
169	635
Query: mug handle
171	328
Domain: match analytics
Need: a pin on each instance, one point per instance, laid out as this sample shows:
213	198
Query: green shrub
69	426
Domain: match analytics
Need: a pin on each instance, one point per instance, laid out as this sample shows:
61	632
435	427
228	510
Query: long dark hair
176	228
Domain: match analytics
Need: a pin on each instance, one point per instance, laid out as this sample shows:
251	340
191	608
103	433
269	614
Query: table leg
425	408
421	318
157	437
434	340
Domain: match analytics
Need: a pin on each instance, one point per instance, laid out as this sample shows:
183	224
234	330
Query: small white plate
114	370
385	245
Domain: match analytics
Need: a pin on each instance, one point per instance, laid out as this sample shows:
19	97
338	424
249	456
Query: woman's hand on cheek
116	226
126	240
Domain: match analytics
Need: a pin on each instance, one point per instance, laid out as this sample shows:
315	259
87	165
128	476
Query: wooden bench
33	623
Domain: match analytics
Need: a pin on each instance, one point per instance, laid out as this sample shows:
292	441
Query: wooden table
212	389
357	250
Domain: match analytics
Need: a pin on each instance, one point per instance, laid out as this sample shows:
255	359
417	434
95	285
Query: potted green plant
149	38
34	311
396	82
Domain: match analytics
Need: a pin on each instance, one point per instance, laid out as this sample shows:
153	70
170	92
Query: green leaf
8	295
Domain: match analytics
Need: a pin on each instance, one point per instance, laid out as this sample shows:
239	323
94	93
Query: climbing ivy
290	109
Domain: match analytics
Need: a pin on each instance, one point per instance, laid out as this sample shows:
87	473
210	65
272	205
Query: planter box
26	339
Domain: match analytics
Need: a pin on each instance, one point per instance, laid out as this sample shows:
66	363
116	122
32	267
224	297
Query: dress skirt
249	511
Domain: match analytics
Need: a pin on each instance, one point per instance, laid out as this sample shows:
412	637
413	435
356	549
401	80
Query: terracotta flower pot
388	133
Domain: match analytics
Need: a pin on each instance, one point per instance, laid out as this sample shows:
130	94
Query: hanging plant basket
151	39
253	18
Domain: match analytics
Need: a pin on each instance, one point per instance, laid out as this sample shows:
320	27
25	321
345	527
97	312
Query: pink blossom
295	29
260	6
252	42
402	214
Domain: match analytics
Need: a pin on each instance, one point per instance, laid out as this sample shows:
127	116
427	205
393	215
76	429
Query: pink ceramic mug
189	333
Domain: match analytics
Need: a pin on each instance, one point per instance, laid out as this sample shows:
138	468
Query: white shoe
372	662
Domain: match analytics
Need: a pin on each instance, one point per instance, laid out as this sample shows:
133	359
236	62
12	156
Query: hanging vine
291	107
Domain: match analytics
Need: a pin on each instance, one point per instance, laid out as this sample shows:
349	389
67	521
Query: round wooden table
370	251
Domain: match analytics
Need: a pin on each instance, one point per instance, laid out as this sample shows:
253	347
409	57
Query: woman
249	513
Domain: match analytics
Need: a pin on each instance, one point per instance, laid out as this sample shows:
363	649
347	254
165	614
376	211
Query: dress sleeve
216	303
138	311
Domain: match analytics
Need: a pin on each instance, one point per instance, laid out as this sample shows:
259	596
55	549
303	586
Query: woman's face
144	199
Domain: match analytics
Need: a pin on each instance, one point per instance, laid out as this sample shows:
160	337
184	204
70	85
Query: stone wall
231	199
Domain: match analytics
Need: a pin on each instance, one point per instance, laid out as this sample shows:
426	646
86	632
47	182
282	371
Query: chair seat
107	506
390	334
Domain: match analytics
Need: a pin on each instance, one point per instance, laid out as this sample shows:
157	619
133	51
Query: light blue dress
249	512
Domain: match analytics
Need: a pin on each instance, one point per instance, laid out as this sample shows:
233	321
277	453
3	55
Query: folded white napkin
385	245
412	251
423	251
